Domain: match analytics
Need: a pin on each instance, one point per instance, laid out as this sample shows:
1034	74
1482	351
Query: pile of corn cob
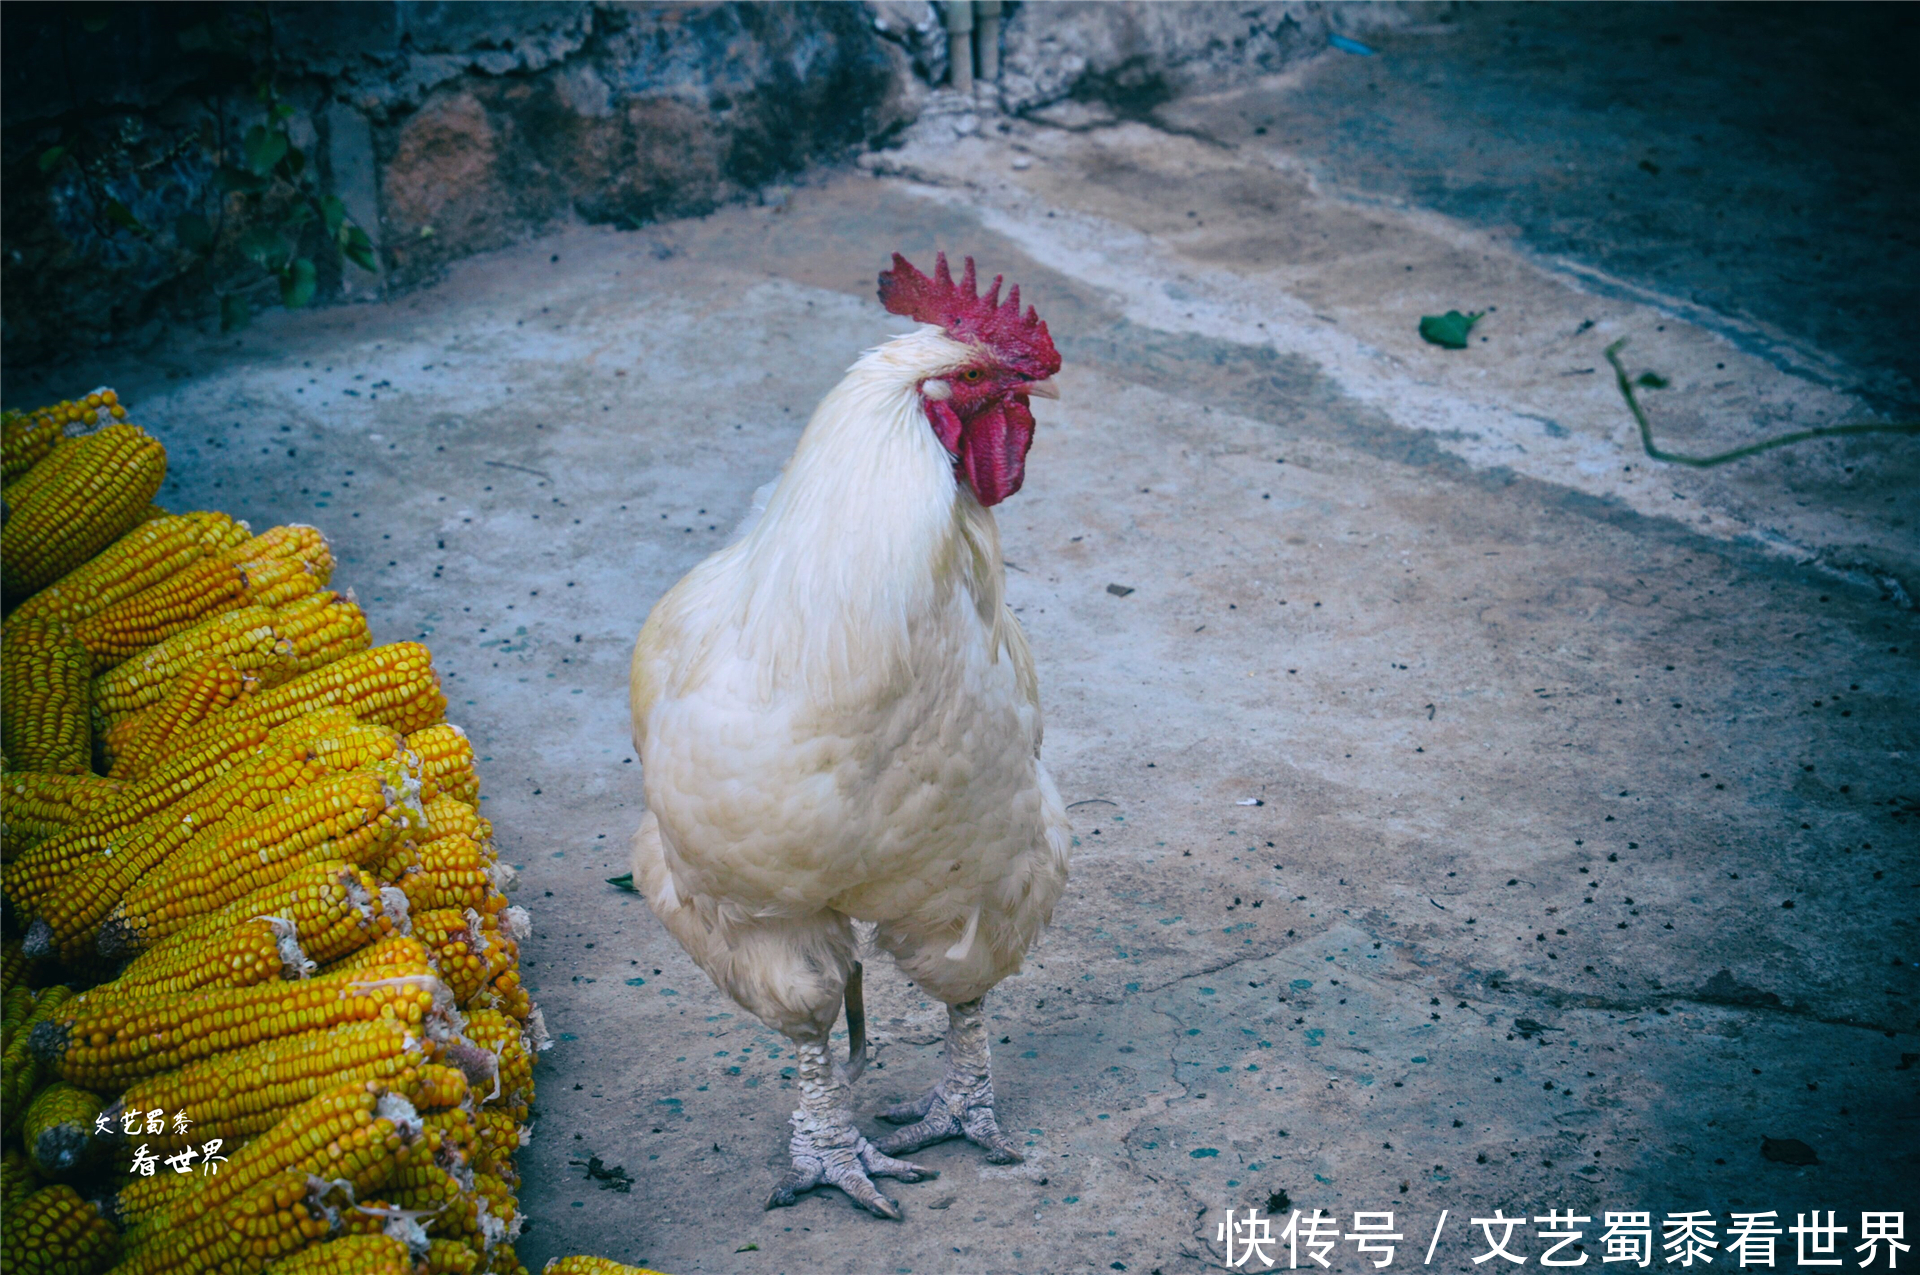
254	924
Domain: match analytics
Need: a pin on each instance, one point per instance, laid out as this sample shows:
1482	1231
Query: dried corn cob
504	1261
453	1211
294	542
320	629
17	1003
13	965
454	873
281	581
26	437
505	994
501	1207
17	1181
112	1043
34	807
136	561
335	906
346	817
191	698
497	1138
43	690
437	1087
237	1095
273	1219
502	1037
218	952
450	1257
392	685
179	601
66	520
354	1132
349	1255
245	638
468	950
20	1070
446	757
59	1129
399	949
292	757
55	1232
591	1266
448	816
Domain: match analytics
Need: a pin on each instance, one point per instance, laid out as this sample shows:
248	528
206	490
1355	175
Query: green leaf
50	158
229	179
297	283
1449	329
264	247
120	215
234	312
1651	381
193	232
296	216
281	112
264	148
358	249
334	214
625	882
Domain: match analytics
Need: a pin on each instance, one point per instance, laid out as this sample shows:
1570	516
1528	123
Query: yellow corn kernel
397	949
136	561
508	1043
43	699
20	1069
26	437
66	520
34	806
591	1266
454	872
446	757
59	1130
194	695
238	1095
348	817
17	1181
112	1042
449	816
392	685
450	1257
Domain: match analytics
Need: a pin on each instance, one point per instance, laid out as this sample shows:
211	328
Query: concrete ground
1407	630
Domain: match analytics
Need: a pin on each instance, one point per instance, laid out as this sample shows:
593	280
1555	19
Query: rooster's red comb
1019	340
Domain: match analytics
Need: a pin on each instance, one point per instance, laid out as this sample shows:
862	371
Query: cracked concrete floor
1468	815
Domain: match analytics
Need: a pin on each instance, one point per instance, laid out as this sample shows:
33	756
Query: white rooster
838	719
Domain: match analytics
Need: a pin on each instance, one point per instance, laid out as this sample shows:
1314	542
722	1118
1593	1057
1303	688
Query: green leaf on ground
264	247
234	312
1651	381
1450	329
50	158
333	213
625	882
121	215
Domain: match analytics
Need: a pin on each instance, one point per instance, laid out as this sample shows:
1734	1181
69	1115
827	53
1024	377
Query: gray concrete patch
1537	767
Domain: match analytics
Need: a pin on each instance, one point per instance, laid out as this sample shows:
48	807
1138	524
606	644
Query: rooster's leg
961	1105
827	1148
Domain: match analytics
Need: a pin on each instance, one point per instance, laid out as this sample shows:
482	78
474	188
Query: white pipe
988	11
960	44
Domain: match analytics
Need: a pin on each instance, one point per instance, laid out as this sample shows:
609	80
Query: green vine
1654	381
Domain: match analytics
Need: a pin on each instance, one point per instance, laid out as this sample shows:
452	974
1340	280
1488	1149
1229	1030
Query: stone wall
446	129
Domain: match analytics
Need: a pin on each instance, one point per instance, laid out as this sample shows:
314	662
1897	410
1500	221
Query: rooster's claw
949	1110
836	1155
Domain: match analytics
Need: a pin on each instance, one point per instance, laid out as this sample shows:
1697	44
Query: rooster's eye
972	374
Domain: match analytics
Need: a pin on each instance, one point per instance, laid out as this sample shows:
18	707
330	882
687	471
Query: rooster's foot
831	1152
957	1107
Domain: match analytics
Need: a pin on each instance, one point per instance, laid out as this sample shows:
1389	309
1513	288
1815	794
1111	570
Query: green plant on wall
265	183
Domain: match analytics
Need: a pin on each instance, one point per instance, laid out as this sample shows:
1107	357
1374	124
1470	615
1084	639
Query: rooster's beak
1043	389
